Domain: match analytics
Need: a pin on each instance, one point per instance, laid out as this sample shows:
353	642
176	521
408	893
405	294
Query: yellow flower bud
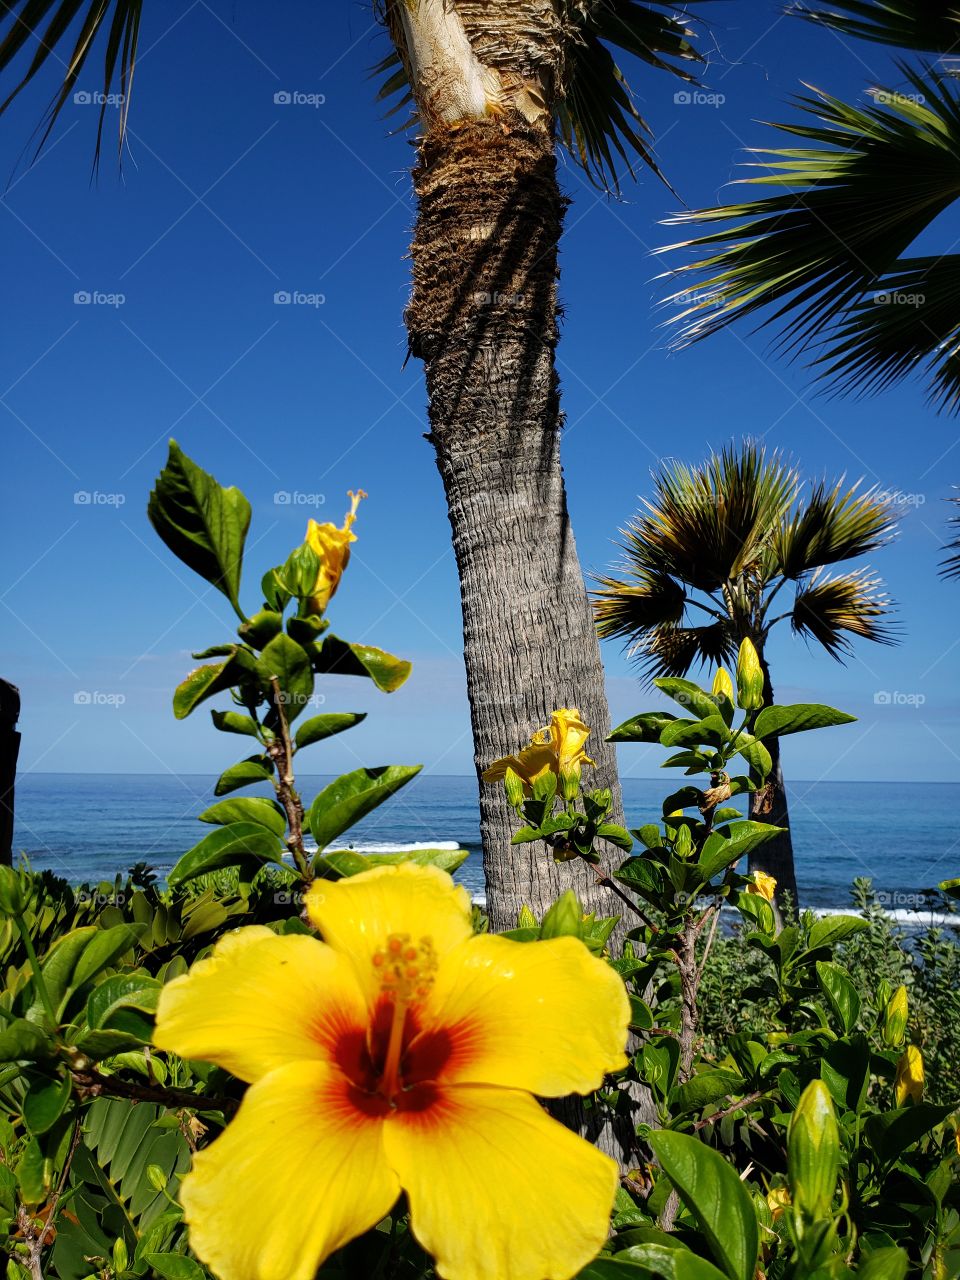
813	1151
763	885
749	677
722	684
895	1018
909	1081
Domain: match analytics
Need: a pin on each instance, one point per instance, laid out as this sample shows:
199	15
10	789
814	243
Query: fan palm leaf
932	26
707	524
950	568
832	525
119	20
646	600
876	177
673	651
911	323
831	609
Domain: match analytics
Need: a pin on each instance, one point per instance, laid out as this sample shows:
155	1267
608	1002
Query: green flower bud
120	1256
15	892
749	678
813	1151
564	918
156	1177
570	781
525	918
895	1019
722	684
513	785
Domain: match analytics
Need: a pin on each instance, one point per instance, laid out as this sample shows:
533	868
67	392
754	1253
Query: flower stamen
406	970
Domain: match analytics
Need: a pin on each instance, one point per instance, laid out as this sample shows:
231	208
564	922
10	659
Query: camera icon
82	98
282	498
281	298
82	498
282	98
683	97
82	298
82	698
882	698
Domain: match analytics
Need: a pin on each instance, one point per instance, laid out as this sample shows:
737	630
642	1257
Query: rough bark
769	804
483	319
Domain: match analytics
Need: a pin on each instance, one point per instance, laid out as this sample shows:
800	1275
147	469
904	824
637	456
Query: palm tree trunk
769	804
483	319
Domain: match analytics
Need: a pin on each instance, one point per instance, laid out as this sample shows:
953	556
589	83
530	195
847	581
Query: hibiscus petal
543	1016
358	914
298	1173
260	1001
498	1190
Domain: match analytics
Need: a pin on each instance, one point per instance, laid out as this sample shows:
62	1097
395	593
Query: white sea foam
386	846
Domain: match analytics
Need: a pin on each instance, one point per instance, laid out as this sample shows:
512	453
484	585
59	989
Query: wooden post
9	751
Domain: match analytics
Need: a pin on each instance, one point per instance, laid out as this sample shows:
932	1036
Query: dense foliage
790	1088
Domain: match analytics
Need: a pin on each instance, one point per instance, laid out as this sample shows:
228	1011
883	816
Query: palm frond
873	179
912	323
710	523
595	111
638	602
674	651
932	26
832	609
46	23
832	524
950	568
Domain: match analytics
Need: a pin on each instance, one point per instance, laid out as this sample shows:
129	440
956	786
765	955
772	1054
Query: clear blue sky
228	197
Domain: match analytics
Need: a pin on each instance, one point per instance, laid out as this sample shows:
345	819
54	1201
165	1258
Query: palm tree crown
707	555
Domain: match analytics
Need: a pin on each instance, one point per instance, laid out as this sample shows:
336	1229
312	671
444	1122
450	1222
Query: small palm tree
713	558
950	567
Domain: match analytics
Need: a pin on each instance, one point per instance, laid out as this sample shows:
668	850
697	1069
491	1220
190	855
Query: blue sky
228	197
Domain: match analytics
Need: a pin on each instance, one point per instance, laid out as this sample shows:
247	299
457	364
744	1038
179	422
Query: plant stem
608	883
93	1083
281	751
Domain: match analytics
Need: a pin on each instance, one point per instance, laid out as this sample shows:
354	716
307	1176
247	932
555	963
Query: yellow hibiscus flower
332	545
763	885
401	1053
558	748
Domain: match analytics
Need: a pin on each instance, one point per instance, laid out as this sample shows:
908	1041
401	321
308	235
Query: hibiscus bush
289	1061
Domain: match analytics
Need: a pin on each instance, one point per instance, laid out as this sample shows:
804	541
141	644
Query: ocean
86	827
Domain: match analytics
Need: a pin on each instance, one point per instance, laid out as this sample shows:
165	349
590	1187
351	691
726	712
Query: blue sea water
86	827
